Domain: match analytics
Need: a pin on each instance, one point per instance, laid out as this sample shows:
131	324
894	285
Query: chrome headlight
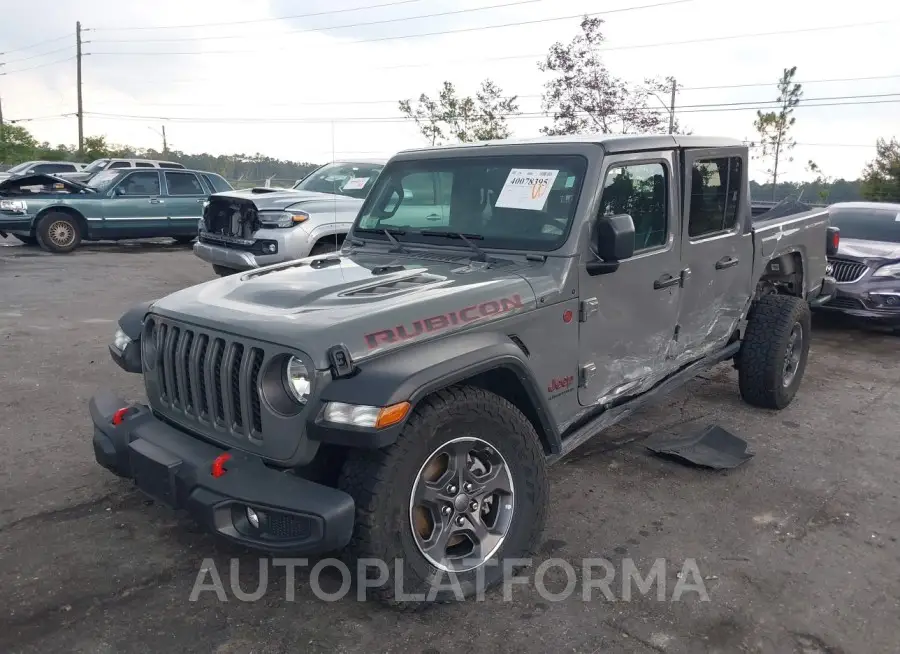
296	380
121	340
890	270
15	206
282	219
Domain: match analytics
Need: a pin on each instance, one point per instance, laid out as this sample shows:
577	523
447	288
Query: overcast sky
296	88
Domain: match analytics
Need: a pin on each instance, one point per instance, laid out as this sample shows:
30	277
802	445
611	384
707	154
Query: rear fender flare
413	373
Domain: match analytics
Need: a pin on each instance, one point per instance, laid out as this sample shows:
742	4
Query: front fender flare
413	373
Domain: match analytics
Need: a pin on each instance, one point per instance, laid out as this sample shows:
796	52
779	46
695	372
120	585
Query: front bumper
174	468
16	223
866	301
290	244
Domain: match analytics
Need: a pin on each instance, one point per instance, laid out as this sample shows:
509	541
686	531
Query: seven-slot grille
845	271
208	378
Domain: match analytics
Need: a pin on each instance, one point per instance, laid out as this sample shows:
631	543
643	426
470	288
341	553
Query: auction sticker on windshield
355	183
526	188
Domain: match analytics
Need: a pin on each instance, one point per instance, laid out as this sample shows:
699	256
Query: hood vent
387	288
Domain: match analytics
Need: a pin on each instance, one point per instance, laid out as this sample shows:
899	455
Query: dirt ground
797	548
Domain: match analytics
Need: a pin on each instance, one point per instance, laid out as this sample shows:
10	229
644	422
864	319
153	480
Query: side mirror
613	241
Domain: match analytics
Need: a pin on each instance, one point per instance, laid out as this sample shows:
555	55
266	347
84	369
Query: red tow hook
218	465
119	416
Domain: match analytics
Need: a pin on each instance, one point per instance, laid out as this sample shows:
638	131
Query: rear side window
143	164
715	195
184	184
172	165
217	183
640	190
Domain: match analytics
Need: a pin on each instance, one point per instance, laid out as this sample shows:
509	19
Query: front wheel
463	489
773	355
58	232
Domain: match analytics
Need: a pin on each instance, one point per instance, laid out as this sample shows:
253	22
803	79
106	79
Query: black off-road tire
223	271
185	240
27	240
49	232
323	247
381	483
761	365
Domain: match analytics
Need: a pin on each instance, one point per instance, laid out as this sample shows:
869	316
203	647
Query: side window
118	164
419	189
217	183
641	191
183	184
143	164
53	168
140	184
715	195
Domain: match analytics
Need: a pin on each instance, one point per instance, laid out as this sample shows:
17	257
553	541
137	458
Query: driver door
628	316
135	207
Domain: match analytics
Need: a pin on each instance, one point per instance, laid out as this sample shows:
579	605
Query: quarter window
715	195
640	190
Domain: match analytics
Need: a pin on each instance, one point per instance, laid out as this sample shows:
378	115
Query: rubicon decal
444	321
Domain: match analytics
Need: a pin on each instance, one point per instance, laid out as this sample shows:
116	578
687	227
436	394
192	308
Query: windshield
509	202
351	179
96	165
21	168
868	224
102	181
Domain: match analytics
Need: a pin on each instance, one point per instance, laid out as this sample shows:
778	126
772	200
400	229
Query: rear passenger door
716	249
185	196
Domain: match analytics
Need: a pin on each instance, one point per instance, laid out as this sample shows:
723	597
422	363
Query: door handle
726	262
156	201
666	281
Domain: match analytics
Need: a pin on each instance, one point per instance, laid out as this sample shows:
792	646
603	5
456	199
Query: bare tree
584	96
462	119
774	127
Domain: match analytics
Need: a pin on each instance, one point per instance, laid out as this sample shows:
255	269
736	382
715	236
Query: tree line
582	95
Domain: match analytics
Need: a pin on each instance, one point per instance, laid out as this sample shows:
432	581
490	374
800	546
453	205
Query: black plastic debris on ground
706	445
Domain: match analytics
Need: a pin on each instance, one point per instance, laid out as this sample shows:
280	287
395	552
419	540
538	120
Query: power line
49	63
324	29
256	20
43	54
34	118
701	108
809	81
442	32
34	45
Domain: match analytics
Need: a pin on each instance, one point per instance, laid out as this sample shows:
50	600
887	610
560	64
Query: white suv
111	164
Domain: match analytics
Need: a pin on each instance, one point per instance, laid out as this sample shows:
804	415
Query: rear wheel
223	271
58	232
773	355
27	240
463	489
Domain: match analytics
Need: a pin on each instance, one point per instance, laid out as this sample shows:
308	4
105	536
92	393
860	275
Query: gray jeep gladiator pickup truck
401	399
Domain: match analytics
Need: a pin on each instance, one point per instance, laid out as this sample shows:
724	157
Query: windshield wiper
480	255
398	246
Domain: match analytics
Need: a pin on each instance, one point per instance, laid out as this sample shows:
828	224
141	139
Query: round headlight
296	379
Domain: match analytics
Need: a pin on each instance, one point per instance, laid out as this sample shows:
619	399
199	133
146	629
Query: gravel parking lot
797	549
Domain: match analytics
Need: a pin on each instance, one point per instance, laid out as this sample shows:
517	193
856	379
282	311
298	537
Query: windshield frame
298	186
889	216
522	159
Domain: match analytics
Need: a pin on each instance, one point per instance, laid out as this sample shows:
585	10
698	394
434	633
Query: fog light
271	248
253	517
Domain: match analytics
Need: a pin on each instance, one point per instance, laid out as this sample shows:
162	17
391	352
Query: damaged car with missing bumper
242	230
402	398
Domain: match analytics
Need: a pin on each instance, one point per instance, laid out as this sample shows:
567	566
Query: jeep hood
275	199
370	303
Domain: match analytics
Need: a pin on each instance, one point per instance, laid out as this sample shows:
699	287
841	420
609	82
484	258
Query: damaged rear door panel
629	317
717	249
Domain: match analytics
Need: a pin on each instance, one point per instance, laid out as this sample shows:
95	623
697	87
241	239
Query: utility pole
2	133
80	108
165	145
672	109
